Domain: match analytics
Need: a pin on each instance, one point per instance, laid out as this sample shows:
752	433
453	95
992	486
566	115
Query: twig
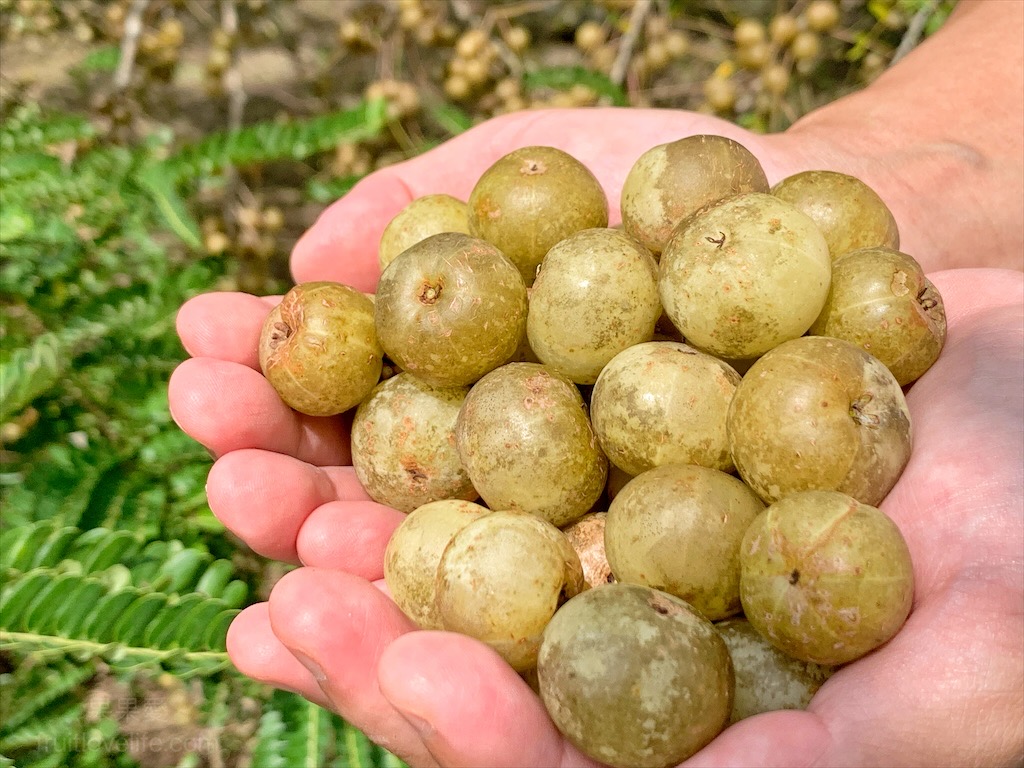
233	85
617	74
914	31
129	44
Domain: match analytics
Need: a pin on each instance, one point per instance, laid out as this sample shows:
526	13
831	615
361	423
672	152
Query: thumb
781	739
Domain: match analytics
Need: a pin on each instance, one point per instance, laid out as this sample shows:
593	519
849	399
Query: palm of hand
329	632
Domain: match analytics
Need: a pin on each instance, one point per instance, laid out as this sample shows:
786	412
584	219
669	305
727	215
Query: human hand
280	483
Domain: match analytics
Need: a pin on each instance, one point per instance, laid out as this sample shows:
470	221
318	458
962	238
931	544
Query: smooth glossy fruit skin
319	350
678	528
882	302
744	275
848	212
663	402
526	442
766	678
450	308
586	536
501	578
414	551
825	578
596	294
669	182
423	217
403	444
818	413
531	199
634	677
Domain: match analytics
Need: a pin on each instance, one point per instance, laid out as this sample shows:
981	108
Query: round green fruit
634	677
824	578
677	528
744	275
318	348
423	217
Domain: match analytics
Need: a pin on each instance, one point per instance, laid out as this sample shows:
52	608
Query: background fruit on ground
848	212
319	350
403	443
744	275
825	578
423	217
450	308
882	302
414	551
766	678
501	578
634	677
596	293
669	182
819	413
677	528
531	199
527	444
663	402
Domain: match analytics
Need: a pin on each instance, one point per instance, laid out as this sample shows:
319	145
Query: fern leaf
57	681
355	750
160	185
564	78
293	733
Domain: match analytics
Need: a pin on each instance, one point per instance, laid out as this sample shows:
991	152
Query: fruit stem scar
858	414
794	577
429	294
926	302
719	242
280	334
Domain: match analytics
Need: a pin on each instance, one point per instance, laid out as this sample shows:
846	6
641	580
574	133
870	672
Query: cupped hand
946	690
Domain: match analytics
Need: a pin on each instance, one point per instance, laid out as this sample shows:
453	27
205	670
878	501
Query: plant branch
617	74
129	44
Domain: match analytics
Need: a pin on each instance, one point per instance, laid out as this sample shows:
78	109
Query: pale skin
940	138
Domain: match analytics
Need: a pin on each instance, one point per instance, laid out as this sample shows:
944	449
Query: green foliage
564	78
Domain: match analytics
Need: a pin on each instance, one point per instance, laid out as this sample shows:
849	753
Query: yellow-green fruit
403	443
531	199
744	275
319	350
450	308
882	302
669	182
524	438
849	213
766	678
595	295
414	551
825	578
423	217
663	402
634	677
501	579
678	528
819	413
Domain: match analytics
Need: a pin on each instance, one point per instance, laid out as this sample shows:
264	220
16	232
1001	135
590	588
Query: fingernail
314	669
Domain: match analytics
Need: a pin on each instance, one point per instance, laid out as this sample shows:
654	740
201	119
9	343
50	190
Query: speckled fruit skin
526	442
414	552
319	350
818	413
501	578
596	294
423	217
882	302
744	275
825	578
531	199
634	677
669	182
678	528
849	213
663	402
450	308
586	536
403	443
766	678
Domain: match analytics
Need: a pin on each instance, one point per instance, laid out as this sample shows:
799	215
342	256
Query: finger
224	325
257	653
228	407
782	739
348	536
338	625
265	498
469	706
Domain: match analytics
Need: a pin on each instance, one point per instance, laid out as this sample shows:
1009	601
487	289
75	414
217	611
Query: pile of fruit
642	464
